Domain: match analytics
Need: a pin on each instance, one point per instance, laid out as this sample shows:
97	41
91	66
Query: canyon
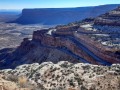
84	41
81	55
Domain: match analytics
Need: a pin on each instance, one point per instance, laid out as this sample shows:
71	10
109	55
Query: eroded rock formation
69	39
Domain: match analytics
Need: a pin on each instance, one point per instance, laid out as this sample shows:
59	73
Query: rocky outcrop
66	76
6	84
61	15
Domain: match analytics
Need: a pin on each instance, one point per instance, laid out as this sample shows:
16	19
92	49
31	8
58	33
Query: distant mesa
50	16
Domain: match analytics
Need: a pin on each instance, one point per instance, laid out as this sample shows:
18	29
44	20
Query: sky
20	4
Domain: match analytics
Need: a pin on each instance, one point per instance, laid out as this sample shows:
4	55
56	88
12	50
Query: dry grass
71	89
22	80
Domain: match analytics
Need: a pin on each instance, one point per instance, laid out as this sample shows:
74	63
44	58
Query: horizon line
19	9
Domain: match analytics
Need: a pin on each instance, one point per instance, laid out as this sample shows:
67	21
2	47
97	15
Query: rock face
67	76
69	39
31	52
111	18
61	16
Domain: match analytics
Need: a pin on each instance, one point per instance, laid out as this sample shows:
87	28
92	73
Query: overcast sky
20	4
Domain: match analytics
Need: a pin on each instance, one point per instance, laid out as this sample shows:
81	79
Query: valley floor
12	34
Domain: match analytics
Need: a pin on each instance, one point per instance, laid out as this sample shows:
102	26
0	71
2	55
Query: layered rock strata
111	18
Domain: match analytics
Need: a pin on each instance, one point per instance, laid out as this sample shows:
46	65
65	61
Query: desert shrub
12	78
71	89
58	88
83	88
71	83
65	65
40	87
119	82
57	77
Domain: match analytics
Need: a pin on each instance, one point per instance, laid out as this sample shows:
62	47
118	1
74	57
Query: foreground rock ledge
65	76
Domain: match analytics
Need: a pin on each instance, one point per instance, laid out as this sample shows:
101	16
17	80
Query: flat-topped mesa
53	16
111	18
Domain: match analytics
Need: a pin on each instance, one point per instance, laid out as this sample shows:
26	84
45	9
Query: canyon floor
12	34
